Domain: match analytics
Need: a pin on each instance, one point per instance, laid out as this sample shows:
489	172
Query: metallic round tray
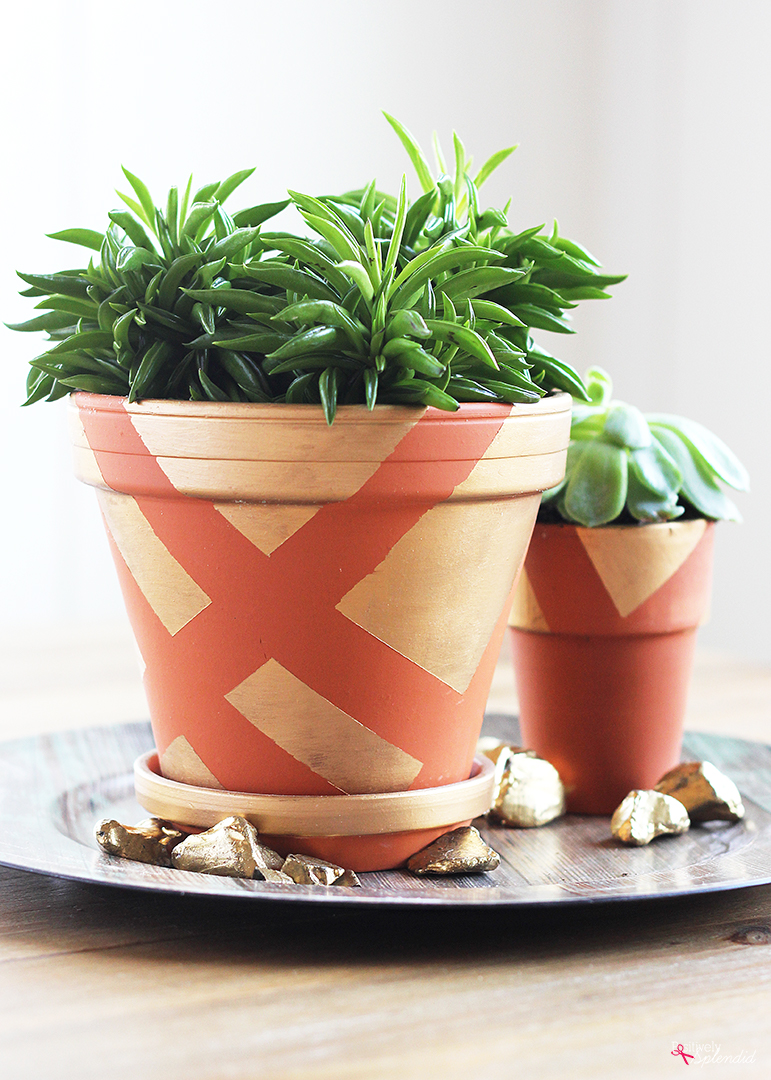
55	787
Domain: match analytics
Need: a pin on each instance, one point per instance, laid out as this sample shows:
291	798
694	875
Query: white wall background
643	127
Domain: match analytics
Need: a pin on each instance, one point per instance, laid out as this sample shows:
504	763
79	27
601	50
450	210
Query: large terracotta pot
319	609
603	628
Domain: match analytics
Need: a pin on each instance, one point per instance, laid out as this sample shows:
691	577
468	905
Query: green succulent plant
139	322
429	302
626	466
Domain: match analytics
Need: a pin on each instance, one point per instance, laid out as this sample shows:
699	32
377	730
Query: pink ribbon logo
682	1053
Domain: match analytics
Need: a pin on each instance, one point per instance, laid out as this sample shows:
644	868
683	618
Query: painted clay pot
319	609
604	623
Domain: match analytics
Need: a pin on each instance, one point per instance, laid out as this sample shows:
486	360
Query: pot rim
554	401
625	525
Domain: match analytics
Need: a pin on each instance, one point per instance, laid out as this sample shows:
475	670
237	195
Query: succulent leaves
389	301
651	468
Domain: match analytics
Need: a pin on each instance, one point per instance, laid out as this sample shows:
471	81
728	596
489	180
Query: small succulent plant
624	466
429	303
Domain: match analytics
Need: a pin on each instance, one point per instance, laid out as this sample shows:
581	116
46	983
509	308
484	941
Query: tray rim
140	877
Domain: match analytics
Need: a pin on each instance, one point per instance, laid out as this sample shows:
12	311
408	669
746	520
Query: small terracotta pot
319	609
603	629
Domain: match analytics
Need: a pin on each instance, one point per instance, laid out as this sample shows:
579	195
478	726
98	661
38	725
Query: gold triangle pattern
180	762
634	561
168	588
266	525
314	731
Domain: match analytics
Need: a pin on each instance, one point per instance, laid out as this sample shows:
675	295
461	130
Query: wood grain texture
168	987
102	983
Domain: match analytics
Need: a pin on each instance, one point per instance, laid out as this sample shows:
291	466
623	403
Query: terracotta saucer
355	830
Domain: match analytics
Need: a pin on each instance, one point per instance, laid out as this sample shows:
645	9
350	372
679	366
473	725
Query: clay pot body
603	630
319	609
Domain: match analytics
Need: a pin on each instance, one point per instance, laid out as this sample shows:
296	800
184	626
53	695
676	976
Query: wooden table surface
102	983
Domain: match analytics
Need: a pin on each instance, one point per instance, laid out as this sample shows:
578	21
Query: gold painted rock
705	792
644	815
462	851
266	858
308	870
166	832
151	841
275	876
528	791
231	848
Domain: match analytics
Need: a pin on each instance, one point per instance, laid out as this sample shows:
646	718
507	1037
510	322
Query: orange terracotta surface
223	625
603	696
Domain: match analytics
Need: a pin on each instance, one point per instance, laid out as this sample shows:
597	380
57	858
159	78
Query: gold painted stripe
311	483
493	477
180	762
411	600
321	736
271	481
261	435
168	588
526	435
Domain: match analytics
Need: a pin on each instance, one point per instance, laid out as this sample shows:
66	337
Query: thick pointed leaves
149	368
414	152
231	245
84	237
144	196
255	215
645	505
240	300
417	216
396	236
434	261
342	241
596	491
557	374
492	164
468	284
328	314
467	340
626	426
407	323
227	187
286	277
492	312
656	470
52	320
308	253
318	339
712	451
542	319
64	284
359	275
698	484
